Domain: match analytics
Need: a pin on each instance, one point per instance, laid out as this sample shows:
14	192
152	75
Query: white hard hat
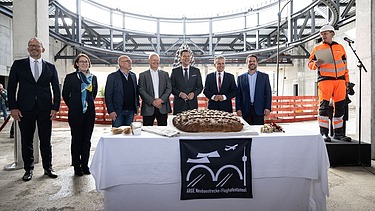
327	28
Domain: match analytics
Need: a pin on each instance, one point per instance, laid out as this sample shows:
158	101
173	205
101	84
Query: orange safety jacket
331	71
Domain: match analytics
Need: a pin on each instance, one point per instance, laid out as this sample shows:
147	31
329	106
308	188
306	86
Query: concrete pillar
365	43
30	19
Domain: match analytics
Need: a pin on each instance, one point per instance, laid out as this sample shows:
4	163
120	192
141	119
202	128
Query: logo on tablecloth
219	168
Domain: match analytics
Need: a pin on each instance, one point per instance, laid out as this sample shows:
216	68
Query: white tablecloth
284	165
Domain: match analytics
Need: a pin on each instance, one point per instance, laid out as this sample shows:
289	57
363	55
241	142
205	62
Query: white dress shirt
155	82
32	66
252	81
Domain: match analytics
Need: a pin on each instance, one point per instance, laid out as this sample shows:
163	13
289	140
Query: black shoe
28	175
78	171
346	138
86	170
341	137
50	172
326	138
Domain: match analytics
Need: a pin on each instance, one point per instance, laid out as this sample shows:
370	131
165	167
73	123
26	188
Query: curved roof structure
234	35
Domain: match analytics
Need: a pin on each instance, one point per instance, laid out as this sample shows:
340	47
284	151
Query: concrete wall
30	19
6	42
64	66
365	39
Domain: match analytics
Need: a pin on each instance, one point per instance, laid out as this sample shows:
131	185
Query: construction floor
350	188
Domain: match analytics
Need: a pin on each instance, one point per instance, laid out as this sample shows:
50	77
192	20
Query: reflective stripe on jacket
331	71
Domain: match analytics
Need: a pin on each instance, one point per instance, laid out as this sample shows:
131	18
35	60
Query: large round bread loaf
207	121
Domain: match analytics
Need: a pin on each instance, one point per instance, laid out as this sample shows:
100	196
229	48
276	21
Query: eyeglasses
126	61
35	46
83	62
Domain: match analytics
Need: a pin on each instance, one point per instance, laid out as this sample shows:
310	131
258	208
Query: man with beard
254	95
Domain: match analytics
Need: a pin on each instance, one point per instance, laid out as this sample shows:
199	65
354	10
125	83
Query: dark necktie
219	83
186	75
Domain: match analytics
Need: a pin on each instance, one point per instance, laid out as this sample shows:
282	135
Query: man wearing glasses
121	95
33	102
220	87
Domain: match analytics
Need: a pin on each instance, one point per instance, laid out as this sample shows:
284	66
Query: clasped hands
157	103
187	97
219	98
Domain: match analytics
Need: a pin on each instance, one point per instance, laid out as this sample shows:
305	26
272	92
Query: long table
289	172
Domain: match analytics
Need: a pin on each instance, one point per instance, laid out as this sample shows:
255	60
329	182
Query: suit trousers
27	125
253	118
186	106
81	128
160	118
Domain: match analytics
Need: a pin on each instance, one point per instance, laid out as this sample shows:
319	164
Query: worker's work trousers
335	89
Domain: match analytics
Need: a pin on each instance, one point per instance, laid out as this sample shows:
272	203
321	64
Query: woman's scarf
86	85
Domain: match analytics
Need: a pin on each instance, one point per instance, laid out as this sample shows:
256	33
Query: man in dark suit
254	95
121	95
33	102
220	87
154	86
186	84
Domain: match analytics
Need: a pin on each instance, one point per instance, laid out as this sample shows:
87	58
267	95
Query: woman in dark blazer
79	92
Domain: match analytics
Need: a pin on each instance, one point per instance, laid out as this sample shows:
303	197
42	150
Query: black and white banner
215	168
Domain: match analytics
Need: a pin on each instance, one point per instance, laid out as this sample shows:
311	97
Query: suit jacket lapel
149	81
29	73
224	81
161	82
44	69
246	83
132	75
259	80
119	79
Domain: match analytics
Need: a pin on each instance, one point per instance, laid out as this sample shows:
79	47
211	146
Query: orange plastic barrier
102	116
293	109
